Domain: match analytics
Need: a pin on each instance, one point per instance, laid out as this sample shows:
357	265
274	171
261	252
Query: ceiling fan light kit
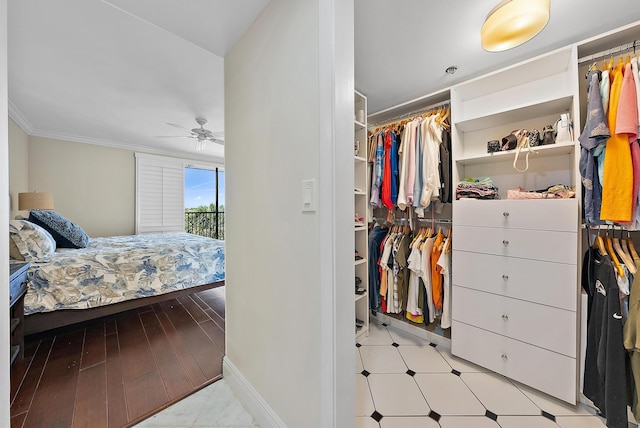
513	22
201	135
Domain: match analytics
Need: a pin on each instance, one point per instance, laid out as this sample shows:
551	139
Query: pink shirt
627	123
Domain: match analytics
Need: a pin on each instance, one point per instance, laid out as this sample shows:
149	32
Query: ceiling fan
201	135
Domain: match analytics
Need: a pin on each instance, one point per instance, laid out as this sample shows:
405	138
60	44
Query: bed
115	274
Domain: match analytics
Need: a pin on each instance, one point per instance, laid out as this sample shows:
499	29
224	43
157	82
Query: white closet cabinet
360	181
515	262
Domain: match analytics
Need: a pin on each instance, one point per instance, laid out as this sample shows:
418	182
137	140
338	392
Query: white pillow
32	241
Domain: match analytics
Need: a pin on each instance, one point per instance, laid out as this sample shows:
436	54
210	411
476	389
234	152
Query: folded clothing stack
559	191
477	189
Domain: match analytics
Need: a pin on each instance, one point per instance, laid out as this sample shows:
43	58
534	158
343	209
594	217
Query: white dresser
514	290
515	262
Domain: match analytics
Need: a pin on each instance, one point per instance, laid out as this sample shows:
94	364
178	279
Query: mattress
114	269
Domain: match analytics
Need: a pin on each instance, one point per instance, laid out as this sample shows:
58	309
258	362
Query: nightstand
17	290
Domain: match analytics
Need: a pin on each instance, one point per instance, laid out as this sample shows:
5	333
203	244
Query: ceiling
115	72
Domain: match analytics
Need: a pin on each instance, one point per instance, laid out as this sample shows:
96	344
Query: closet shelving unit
515	262
361	201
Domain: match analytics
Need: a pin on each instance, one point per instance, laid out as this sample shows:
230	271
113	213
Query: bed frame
36	323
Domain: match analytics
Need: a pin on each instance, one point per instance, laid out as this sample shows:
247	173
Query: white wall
289	275
92	185
18	164
4	219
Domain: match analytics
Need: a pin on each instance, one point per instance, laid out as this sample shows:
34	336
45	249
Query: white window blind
159	194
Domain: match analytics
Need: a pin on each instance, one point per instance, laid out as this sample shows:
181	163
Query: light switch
309	195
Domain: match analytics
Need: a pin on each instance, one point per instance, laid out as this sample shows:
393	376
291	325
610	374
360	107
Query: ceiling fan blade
174	136
180	127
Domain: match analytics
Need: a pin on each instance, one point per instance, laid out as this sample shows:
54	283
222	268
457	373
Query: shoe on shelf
358	256
359	220
358	280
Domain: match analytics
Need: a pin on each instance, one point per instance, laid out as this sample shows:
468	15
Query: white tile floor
214	407
403	381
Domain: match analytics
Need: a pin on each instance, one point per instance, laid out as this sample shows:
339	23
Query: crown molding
19	118
120	145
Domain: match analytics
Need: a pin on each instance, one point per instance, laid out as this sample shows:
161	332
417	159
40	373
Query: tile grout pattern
403	381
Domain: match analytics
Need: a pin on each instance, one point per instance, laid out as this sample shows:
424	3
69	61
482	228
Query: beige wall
283	73
18	165
94	186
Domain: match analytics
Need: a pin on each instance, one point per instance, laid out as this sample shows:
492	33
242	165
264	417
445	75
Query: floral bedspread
120	268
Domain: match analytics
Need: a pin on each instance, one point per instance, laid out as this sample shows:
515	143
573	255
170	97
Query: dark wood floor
120	369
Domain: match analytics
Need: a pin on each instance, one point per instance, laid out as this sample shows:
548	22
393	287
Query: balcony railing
210	223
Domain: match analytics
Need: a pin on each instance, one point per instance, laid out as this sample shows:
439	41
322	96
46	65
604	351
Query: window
204	201
159	194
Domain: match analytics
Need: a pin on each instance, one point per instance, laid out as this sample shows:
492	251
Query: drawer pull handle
506	213
505	242
505	277
504	357
505	317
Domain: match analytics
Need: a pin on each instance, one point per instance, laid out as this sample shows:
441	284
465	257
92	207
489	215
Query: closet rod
437	220
411	113
610	52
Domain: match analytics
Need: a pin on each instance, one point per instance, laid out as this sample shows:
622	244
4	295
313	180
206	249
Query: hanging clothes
631	332
605	376
386	175
594	133
444	263
618	169
376	236
627	125
376	180
427	249
445	167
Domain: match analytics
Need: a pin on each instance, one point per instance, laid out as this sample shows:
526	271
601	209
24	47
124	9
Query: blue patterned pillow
32	241
66	233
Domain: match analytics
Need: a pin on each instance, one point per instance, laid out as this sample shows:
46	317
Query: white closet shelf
556	62
360	228
525	111
360	262
360	296
359	125
543	152
360	193
359	159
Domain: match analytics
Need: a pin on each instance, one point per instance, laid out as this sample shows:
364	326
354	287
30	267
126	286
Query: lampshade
35	201
513	22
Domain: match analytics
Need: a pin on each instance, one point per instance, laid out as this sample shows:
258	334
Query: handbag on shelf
523	144
564	129
493	146
548	135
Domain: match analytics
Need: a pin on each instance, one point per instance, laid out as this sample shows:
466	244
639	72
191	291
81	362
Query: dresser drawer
559	247
558	214
544	326
550	372
553	284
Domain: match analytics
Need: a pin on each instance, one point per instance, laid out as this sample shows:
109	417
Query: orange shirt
617	188
436	276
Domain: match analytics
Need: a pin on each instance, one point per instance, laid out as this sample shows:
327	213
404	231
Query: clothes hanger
447	247
598	243
612	254
625	248
626	259
632	248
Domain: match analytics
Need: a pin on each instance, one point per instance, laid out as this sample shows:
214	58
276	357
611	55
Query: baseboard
381	318
264	415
